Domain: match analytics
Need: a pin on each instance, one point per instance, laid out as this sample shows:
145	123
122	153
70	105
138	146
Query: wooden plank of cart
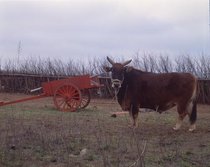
68	94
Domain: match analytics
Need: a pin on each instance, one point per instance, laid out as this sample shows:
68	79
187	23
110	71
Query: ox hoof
175	128
132	126
192	128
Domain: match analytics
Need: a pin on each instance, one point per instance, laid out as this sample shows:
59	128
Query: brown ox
137	89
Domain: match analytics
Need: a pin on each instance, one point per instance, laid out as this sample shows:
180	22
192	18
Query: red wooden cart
68	94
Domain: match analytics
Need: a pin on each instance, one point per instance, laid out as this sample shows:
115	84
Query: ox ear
128	69
126	63
107	69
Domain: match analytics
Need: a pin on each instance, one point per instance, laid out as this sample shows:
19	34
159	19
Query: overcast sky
97	28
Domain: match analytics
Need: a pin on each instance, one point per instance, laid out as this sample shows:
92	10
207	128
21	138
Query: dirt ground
35	134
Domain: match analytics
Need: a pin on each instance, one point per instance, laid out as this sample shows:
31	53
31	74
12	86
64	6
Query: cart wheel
67	98
85	98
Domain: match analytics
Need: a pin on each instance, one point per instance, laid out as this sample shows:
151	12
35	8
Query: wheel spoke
60	94
74	93
61	91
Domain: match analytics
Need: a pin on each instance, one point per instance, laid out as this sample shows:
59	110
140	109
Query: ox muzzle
116	84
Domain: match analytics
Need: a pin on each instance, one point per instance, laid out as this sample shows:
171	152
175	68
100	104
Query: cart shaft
2	103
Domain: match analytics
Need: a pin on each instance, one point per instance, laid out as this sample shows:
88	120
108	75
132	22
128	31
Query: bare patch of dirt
34	134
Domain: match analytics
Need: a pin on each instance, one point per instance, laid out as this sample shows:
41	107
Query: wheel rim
85	98
67	98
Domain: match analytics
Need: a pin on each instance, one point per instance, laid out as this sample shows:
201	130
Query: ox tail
193	115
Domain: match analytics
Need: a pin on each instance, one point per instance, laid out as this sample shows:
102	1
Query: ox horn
126	63
110	60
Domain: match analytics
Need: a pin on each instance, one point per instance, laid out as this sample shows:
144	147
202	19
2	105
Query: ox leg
182	113
134	115
192	113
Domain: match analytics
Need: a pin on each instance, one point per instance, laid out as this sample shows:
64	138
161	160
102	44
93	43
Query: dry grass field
35	134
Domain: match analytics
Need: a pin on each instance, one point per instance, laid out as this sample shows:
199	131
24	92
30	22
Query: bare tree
147	62
164	64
